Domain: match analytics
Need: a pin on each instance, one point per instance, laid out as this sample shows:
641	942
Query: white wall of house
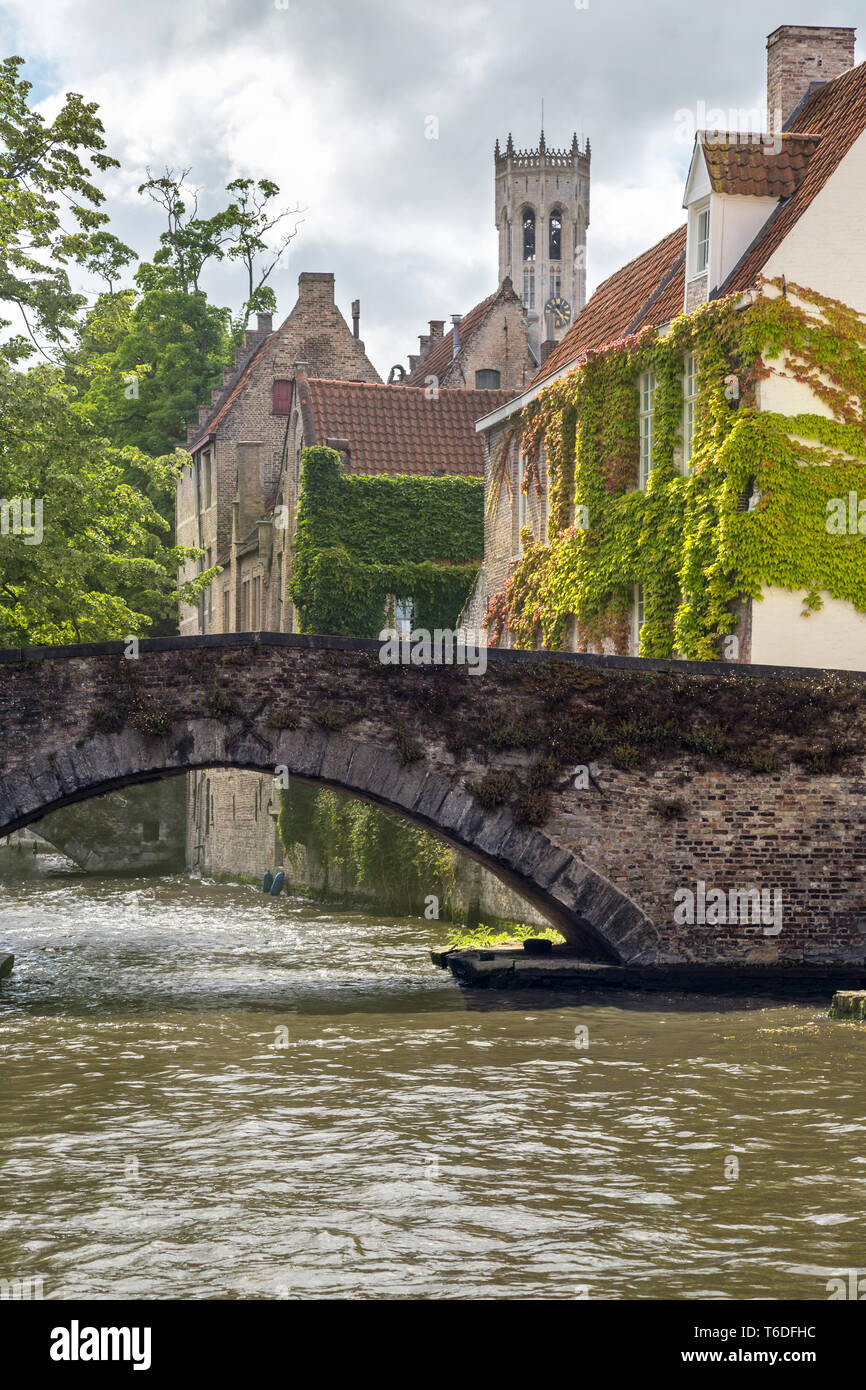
734	223
826	248
833	638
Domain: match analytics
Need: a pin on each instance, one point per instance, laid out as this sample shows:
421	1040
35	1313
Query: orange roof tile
641	293
397	429
752	168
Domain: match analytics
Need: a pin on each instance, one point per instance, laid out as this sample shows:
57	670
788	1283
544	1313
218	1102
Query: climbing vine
749	512
363	539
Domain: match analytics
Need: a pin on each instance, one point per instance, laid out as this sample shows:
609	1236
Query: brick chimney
437	331
799	55
316	286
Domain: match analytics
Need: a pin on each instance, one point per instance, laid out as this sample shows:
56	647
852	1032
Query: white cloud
329	98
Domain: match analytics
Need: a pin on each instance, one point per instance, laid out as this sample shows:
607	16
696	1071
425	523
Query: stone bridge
643	806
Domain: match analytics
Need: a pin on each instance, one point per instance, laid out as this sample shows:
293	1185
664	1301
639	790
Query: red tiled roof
397	429
754	169
641	293
440	357
836	111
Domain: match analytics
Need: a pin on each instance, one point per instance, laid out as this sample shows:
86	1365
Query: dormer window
702	239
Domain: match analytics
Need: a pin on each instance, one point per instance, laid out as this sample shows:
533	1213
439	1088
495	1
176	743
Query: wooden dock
511	967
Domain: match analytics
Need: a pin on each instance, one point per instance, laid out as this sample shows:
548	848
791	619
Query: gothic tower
542	213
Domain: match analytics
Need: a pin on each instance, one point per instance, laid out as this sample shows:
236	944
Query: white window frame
638	615
690	396
646	417
404	617
702	238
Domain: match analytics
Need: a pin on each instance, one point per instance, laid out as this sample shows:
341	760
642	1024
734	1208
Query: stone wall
232	830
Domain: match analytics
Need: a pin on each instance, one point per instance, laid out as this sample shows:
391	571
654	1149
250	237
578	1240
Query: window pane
555	236
528	235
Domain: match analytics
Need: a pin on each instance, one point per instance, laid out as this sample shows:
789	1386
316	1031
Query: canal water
208	1093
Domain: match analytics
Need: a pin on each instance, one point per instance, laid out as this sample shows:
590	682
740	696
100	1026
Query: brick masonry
606	863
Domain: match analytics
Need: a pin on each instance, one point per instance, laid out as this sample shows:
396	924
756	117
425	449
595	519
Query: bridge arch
594	916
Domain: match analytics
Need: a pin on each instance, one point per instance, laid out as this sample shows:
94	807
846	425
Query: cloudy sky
330	98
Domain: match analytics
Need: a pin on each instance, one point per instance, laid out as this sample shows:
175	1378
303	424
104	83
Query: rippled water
408	1140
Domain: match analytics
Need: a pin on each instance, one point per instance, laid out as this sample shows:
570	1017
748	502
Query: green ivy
686	538
362	538
371	848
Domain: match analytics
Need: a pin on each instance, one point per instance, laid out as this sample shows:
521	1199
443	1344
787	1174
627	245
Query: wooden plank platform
510	968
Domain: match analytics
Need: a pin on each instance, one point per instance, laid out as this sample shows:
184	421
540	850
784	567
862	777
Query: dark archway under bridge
597	787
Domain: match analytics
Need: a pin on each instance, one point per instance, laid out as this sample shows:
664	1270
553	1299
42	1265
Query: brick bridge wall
738	777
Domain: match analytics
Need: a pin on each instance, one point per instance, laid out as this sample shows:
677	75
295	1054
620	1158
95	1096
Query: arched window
528	234
487	379
556	235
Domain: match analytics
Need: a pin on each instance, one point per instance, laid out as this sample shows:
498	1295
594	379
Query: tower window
555	235
555	284
528	235
487	379
529	288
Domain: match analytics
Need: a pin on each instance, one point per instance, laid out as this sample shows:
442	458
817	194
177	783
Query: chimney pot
456	319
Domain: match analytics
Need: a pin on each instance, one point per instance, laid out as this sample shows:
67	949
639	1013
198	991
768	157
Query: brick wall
797	56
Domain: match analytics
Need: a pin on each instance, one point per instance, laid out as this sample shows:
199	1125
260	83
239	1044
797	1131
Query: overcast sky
330	97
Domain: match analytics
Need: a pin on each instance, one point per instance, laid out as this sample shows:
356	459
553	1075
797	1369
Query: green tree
145	362
46	176
98	563
248	224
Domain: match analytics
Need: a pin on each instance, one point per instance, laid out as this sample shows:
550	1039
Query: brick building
486	349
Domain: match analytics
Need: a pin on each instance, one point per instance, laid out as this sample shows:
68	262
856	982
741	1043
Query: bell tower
542	213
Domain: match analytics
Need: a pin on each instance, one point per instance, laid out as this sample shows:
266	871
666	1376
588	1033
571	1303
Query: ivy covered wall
689	539
362	538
